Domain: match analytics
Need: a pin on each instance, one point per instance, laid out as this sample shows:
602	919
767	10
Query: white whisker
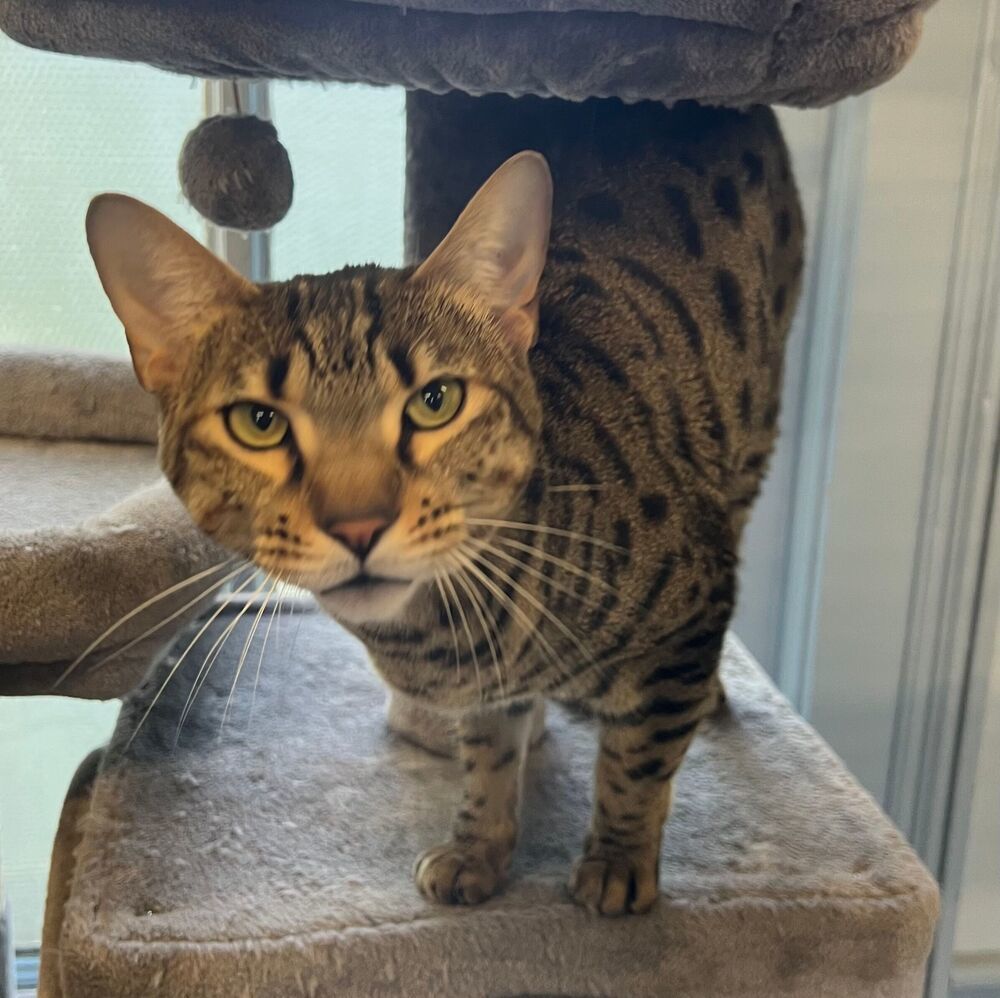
267	633
468	631
485	546
530	628
561	563
213	654
244	653
99	640
540	528
451	624
539	606
184	654
482	613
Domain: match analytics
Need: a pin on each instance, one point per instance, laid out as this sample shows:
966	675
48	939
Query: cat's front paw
610	881
457	874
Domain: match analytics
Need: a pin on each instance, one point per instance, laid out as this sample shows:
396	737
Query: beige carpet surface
272	857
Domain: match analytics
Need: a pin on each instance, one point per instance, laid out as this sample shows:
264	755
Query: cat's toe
614	883
455	874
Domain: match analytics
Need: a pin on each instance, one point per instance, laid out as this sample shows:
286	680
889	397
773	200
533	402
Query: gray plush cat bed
274	860
88	529
805	52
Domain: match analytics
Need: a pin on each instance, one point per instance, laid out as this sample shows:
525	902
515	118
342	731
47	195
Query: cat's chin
369	601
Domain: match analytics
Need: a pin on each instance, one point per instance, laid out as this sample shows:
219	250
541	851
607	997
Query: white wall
916	150
978	929
758	614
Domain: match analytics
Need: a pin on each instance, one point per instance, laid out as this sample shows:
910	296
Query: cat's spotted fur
573	534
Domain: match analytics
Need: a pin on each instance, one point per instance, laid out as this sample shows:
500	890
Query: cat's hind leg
640	753
492	746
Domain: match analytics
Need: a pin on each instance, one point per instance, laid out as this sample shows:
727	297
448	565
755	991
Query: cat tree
273	862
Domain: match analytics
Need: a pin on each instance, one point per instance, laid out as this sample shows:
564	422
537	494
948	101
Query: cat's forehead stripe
400	358
301	339
277	372
373	306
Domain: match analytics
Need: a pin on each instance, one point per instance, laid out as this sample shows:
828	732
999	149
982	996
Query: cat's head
346	432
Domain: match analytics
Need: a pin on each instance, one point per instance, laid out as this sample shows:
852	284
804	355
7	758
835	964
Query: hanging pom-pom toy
236	173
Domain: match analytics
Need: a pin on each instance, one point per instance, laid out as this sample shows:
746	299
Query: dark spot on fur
565	254
277	372
730	297
476	740
783	226
701	640
654	507
779	301
644	770
746	404
401	361
665	735
601	207
727	199
504	760
582	285
535	490
687	224
754	167
519	708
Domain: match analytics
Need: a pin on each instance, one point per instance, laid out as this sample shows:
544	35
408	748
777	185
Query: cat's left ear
166	288
497	247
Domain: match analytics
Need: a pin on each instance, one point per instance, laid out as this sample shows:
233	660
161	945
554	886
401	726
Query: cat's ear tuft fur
497	247
166	288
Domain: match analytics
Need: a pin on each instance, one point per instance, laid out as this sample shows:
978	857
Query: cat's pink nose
358	536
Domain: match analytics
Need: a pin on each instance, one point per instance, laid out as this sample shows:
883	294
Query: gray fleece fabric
74	396
273	857
800	52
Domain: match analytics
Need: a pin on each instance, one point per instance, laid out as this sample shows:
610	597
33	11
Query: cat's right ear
497	247
166	288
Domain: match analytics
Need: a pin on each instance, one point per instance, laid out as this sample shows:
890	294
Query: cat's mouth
364	582
366	597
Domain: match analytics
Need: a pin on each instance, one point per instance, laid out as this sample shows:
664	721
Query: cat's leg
492	748
639	756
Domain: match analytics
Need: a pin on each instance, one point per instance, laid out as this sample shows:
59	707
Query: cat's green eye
256	425
436	404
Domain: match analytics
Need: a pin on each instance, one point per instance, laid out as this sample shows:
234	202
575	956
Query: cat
519	470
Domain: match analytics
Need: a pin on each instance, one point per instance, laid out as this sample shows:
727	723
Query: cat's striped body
672	275
670	283
571	530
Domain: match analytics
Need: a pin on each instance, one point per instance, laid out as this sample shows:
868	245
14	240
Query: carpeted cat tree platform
272	859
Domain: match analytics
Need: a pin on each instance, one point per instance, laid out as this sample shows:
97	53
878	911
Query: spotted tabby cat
517	471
